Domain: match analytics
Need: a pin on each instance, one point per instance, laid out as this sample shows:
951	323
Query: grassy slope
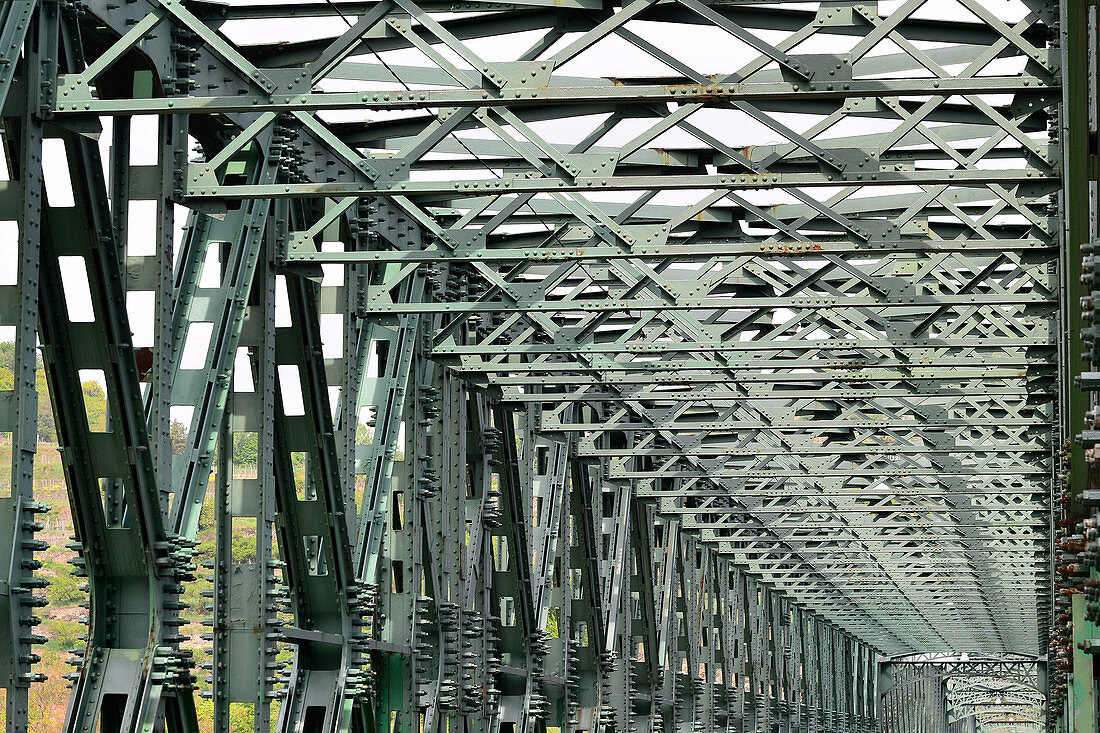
63	619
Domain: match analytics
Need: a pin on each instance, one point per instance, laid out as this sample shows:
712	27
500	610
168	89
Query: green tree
245	449
64	590
47	430
95	406
243	548
177	433
7	365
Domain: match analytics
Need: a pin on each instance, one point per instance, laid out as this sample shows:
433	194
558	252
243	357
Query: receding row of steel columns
768	714
1072	674
917	707
768	717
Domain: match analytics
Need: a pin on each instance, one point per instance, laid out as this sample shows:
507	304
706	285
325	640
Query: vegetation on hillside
63	620
46	427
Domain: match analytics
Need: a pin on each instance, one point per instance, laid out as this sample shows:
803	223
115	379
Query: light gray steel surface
617	367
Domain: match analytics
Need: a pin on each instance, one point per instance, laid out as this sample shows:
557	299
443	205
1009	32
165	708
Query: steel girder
929	692
595	382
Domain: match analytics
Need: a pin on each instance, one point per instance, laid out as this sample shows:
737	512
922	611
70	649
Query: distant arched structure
930	693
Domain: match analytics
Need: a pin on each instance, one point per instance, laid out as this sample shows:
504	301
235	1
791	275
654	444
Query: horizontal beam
671	251
73	98
200	188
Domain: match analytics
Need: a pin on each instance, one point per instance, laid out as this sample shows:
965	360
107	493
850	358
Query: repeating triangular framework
611	366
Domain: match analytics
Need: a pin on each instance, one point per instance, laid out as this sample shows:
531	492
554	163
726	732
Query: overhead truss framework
936	693
609	366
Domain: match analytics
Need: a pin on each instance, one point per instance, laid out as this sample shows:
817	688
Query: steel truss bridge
554	366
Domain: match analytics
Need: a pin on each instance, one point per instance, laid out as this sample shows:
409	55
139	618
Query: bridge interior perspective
549	366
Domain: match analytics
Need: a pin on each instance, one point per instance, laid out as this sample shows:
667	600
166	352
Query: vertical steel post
1076	232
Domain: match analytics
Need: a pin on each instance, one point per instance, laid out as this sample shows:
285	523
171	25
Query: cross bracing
940	693
605	365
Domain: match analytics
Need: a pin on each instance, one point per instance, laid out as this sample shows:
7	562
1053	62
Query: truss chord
551	366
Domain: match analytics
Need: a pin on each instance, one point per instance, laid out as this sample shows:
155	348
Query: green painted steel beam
583	401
